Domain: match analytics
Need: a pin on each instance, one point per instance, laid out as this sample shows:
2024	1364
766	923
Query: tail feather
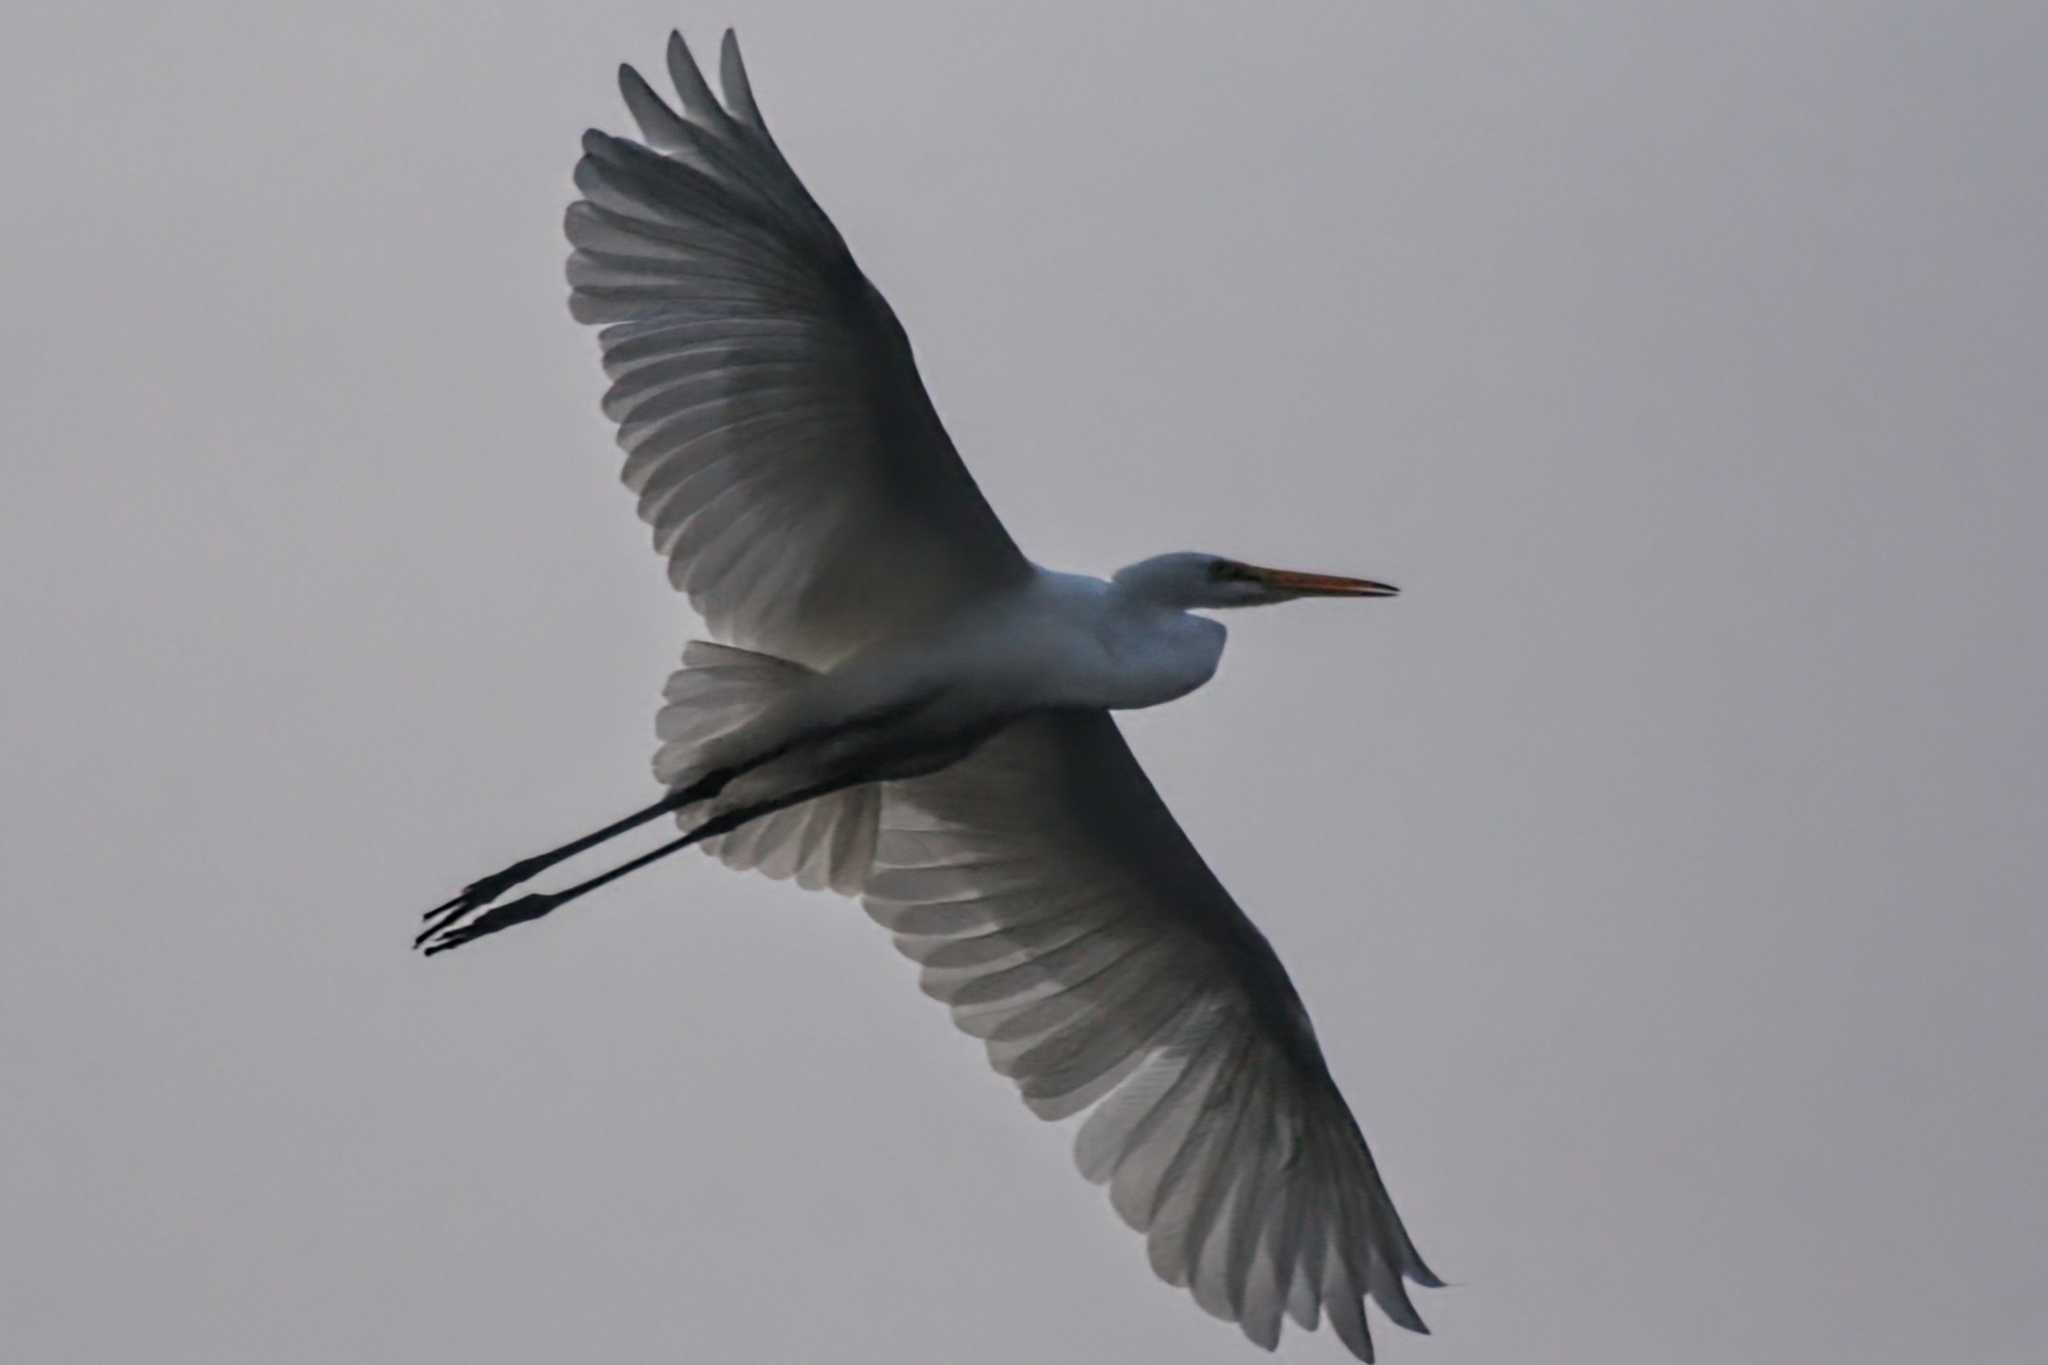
828	841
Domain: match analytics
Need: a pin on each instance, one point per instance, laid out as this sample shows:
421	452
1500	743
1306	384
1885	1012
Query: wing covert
777	433
1057	907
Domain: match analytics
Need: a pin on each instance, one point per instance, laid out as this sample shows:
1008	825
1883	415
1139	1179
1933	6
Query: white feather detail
1056	907
781	443
826	843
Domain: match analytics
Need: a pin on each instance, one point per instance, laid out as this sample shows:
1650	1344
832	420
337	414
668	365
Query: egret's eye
1221	569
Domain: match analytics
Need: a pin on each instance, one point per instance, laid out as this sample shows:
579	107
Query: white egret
905	709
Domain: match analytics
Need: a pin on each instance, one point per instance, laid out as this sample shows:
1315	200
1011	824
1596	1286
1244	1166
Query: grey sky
1664	870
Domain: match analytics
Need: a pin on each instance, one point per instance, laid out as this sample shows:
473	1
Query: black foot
489	922
478	894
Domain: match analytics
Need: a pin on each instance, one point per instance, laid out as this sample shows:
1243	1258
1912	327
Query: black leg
484	890
532	907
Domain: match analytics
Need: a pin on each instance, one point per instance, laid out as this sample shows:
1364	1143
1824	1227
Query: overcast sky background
1665	870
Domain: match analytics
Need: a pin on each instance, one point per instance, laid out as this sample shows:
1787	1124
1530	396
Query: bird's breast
1150	659
1067	646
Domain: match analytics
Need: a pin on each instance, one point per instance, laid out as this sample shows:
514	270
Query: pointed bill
1320	584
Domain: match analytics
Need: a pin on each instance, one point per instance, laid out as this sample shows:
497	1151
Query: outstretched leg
532	907
484	890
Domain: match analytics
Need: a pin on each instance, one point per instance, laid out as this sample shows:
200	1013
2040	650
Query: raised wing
1059	910
776	431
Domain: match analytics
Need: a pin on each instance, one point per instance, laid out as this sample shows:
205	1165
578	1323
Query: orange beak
1320	584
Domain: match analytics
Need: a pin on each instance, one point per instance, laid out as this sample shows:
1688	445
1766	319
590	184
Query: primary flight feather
903	708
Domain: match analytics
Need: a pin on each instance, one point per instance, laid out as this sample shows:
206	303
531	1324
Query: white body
900	706
914	703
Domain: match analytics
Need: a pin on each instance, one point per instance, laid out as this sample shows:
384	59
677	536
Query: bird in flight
901	707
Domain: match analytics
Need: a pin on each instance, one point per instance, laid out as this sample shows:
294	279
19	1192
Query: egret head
1190	579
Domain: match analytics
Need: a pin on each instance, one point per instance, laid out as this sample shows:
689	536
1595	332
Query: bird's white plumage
811	506
1057	907
777	432
828	842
